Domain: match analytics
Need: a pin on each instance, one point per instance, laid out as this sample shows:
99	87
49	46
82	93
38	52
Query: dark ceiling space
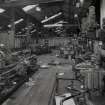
48	9
20	3
97	4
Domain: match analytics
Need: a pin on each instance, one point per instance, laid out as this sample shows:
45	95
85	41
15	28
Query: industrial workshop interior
52	52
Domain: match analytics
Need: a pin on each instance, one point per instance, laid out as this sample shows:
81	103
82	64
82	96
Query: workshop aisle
39	88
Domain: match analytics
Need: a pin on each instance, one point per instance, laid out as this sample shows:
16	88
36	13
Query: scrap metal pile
13	75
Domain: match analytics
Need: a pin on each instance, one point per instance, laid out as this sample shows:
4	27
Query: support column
66	9
28	31
12	31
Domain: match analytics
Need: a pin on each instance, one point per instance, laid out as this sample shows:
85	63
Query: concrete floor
38	91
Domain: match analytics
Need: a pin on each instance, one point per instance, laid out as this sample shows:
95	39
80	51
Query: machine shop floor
38	91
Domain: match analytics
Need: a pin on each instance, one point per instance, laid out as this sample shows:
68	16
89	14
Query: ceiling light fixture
75	16
38	9
52	17
16	22
29	7
46	17
2	10
81	1
61	22
53	25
